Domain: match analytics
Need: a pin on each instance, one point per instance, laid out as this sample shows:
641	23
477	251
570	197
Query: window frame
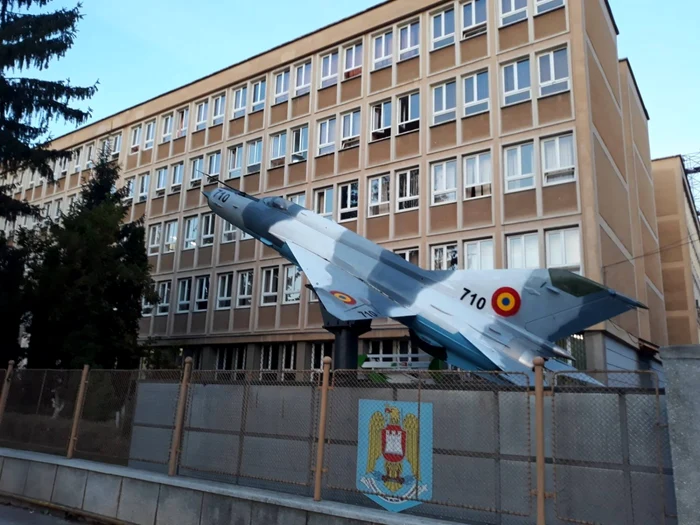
353	139
305	87
220	101
567	265
516	83
202	297
155	233
235	155
383	180
258	104
410	197
135	140
355	70
380	123
381	62
413	122
560	171
565	83
329	147
412	50
513	16
300	155
208	230
178	168
296	285
269	297
283	95
479	243
474	28
256	146
446	39
446	190
228	232
352	210
544	6
191	235
325	191
163	307
523	237
240	102
477	103
167	128
447	249
183	117
330	79
196	173
183	305
244	280
405	254
143	195
201	122
281	154
478	157
224	286
161	171
519	176
170	237
445	111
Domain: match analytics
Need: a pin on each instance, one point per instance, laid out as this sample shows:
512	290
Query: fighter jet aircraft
492	320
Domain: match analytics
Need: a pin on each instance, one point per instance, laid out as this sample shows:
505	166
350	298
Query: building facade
680	250
466	134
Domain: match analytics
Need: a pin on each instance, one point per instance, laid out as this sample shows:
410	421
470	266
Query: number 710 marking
474	299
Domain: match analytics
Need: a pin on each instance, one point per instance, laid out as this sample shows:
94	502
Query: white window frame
568	261
269	286
202	284
178	175
518	90
447	249
259	89
183	118
167	129
183	303
445	189
513	15
479	245
76	164
409	201
353	138
471	27
523	239
381	120
519	176
191	233
328	197
146	308
478	188
298	198
328	77
301	72
219	109
214	164
351	68
207	230
382	204
413	48
57	204
116	144
255	147
150	135
197	165
379	43
161	176
244	288
135	140
301	154
561	174
202	109
129	184
282	95
326	141
445	39
144	186
405	254
240	102
554	86
224	291
450	114
346	210
278	149
292	285
228	232
88	157
542	6
164	292
411	123
478	105
170	237
235	162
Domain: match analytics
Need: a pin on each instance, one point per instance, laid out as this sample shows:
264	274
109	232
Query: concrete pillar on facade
595	351
208	357
303	356
682	370
252	357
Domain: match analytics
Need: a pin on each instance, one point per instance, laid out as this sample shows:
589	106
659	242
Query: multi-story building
466	134
679	230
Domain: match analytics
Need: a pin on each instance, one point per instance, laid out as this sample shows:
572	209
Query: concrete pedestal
682	367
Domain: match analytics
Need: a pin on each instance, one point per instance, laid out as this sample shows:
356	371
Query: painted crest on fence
395	453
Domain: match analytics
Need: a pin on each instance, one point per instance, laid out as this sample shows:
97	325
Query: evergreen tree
87	283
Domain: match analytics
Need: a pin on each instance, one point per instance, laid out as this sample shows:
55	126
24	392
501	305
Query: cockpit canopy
277	202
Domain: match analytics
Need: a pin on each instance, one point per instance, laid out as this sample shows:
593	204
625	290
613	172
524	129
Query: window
476	93
383	50
129	185
161	178
146	307
348	201
564	249
184	290
519	171
407	190
88	156
183	117
409	41
477	175
170	237
191	226
445	257
513	11
353	61
516	79
116	145
558	159
196	174
150	135
351	129
240	102
547	5
219	109
329	69
167	128
259	95
231	358
58	202
379	195
381	120
282	86
135	141
245	289
270	277
300	144
292	284
444	179
235	156
298	198
302	83
228	233
444	102
214	164
323	202
144	184
254	156
47	210
478	255
409	112
154	239
104	150
207	229
473	18
326	136
202	110
554	72
524	251
76	160
278	149
411	255
201	298
164	297
443	29
225	289
178	173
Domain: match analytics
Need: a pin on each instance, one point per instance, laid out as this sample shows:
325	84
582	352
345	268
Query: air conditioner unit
195	183
160	192
175	188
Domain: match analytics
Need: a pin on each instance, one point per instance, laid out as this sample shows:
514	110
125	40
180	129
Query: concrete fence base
125	495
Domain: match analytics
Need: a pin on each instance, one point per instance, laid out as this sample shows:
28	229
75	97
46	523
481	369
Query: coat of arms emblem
395	453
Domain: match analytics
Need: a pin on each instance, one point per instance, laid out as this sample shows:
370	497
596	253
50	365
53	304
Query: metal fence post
323	416
539	438
6	388
179	418
78	411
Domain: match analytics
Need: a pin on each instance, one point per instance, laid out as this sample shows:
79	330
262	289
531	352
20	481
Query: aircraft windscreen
574	284
277	202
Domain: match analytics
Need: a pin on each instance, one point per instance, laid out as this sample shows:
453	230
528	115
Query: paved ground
15	516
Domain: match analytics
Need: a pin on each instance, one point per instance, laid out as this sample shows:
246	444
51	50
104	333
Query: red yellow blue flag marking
506	302
343	297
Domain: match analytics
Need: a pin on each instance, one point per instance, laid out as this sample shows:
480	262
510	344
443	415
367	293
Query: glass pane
480	6
449	22
550	155
532	257
509	78
356	123
482	86
334	63
527	158
437	25
388	41
347	128
472	256
469	89
468	14
471	171
403	38
545	73
572	247
554	250
561	64
451	175
415	28
515	252
505	6
378	47
451	95
437	99
438	177
486	262
512	163
566	151
415	106
523	74
485	168
386	116
520	4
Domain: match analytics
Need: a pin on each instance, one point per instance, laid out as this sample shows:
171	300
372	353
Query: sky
138	49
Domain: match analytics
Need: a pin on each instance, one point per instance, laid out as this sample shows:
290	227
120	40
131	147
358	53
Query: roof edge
612	17
636	86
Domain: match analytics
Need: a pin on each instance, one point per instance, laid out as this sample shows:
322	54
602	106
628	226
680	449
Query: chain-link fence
610	446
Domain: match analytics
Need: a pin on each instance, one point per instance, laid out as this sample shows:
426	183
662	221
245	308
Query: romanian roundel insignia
343	297
506	302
